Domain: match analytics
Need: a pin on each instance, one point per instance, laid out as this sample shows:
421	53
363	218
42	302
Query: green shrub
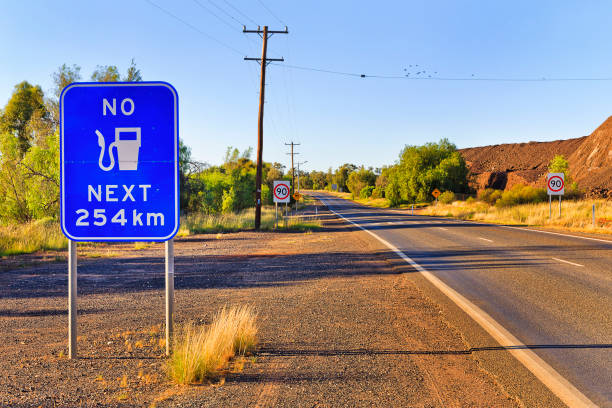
489	195
470	200
228	200
447	197
378	192
359	179
520	194
366	192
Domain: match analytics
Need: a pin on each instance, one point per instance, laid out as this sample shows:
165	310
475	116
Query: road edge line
554	381
437	217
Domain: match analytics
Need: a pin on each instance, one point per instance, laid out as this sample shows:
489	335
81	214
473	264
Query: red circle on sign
553	189
283	197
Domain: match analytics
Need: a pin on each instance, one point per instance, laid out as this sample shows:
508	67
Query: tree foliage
359	179
24	103
29	146
106	73
559	164
421	169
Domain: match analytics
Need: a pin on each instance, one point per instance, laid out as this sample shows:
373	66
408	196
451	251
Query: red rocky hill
502	166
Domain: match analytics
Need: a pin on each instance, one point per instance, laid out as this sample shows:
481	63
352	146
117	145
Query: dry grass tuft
243	220
201	352
43	234
142	245
575	215
123	381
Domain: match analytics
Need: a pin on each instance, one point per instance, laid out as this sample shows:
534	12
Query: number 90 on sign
281	191
555	182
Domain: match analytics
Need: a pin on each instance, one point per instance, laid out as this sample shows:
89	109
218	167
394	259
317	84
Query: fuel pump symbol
127	149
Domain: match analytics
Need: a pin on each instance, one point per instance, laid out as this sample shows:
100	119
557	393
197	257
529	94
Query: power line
210	37
240	12
292	169
271	12
407	78
225	12
214	14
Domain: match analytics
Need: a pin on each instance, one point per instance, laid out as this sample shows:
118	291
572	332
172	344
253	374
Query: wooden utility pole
263	61
292	170
298	166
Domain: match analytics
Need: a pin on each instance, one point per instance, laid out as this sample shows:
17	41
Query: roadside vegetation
576	215
419	170
201	223
519	205
202	352
32	236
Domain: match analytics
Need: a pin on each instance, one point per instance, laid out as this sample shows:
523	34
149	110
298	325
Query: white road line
555	382
485	239
608	241
567	262
442	228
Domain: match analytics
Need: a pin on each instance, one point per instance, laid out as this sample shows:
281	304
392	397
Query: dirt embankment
503	166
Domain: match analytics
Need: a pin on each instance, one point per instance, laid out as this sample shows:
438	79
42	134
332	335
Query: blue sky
336	118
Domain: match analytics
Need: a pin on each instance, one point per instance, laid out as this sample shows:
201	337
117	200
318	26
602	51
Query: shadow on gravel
265	352
208	239
137	274
46	312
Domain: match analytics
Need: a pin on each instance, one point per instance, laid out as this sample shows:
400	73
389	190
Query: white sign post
555	184
280	194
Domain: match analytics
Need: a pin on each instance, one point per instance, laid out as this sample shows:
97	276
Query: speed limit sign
555	183
281	191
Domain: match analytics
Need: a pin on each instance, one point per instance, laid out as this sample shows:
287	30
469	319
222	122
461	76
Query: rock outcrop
503	166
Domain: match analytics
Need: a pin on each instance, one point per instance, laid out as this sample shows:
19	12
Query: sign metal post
72	299
550	207
169	294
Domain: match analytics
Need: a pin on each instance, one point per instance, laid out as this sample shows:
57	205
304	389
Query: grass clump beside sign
201	352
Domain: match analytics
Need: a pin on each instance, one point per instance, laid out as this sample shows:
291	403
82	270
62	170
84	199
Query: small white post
72	299
550	207
594	223
412	208
169	293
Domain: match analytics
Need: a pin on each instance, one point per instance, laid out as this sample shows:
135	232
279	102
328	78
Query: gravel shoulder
340	325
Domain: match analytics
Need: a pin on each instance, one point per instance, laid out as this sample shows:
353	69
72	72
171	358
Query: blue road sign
119	161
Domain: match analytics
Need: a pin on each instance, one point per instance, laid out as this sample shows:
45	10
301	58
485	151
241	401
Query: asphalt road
552	292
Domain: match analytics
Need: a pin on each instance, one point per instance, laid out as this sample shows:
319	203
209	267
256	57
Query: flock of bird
423	72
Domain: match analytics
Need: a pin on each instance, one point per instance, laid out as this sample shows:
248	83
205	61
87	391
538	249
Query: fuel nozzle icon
127	143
